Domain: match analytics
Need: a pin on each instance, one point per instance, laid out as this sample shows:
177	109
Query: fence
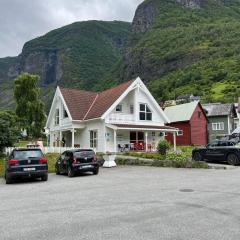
44	149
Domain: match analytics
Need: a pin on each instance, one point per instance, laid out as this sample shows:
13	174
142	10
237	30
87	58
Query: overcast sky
23	20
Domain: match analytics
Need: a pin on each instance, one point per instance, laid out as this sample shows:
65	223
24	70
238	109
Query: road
127	203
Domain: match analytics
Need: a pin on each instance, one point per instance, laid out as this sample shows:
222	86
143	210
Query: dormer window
119	108
145	113
57	117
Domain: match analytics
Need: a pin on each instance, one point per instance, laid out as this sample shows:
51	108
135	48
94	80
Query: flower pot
109	161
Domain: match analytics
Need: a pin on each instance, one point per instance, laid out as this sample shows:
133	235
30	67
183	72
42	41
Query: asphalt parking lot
125	203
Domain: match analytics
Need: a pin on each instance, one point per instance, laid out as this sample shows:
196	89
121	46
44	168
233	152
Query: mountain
77	55
185	46
175	46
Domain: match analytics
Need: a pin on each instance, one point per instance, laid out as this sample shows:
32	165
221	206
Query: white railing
45	149
121	117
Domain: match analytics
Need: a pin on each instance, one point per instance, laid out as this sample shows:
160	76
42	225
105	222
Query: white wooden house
124	117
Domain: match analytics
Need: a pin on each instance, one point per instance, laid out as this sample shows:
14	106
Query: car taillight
13	162
95	158
43	160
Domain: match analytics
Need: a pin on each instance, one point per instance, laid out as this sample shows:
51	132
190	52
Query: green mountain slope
186	46
77	55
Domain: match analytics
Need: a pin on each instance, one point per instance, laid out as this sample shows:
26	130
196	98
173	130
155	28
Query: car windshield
84	153
25	154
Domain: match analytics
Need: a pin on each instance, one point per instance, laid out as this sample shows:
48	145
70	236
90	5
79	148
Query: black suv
26	163
76	161
221	151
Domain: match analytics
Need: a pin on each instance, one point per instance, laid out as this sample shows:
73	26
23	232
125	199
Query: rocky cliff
77	55
185	46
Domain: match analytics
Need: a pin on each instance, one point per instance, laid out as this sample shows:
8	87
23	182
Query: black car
221	151
26	163
77	161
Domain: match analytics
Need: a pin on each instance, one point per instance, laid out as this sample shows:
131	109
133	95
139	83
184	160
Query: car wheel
197	156
57	170
95	171
44	177
70	172
232	159
8	179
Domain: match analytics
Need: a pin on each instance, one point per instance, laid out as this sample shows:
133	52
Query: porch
124	137
113	138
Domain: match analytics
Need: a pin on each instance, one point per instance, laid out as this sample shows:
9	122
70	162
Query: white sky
23	20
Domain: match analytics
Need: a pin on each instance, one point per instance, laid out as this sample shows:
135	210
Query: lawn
1	167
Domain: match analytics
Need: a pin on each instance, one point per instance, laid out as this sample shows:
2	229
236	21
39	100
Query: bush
163	146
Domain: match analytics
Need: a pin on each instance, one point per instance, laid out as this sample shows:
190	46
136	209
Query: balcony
120	118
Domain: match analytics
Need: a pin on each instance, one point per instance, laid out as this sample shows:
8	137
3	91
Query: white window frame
93	140
145	112
120	106
180	133
219	126
57	117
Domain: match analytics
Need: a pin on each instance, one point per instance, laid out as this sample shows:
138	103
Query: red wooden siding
185	139
194	131
199	132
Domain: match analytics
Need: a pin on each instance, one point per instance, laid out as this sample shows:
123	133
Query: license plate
29	169
87	166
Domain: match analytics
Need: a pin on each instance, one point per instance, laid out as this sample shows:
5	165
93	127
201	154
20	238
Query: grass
175	160
22	144
51	161
1	167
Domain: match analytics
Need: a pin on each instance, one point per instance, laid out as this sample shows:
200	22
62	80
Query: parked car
77	161
219	150
26	163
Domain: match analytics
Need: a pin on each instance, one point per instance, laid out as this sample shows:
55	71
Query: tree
30	109
9	129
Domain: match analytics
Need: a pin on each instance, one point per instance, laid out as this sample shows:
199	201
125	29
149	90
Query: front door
137	140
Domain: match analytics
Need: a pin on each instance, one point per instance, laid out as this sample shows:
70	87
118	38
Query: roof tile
85	105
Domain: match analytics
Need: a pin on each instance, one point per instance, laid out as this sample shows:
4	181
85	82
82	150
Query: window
218	126
131	109
57	117
199	114
145	113
65	114
93	139
180	133
119	108
153	134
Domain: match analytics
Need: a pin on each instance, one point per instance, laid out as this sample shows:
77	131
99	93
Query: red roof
85	105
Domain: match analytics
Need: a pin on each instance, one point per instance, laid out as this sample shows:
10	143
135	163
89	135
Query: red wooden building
191	120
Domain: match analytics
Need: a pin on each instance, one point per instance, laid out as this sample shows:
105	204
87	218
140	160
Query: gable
195	115
57	103
182	112
143	96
